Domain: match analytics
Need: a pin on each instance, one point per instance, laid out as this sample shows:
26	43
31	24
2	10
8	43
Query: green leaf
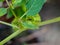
31	22
28	25
16	3
34	6
3	11
34	18
9	14
29	3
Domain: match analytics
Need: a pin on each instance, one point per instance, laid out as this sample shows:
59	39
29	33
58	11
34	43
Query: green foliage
34	6
25	14
3	11
1	0
28	22
16	3
27	9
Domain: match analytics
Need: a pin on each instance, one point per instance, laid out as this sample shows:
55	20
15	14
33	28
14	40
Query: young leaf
29	25
34	6
31	22
3	11
16	3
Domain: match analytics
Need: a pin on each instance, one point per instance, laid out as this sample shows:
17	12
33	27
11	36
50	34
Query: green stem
10	37
22	16
11	8
9	24
19	31
50	21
